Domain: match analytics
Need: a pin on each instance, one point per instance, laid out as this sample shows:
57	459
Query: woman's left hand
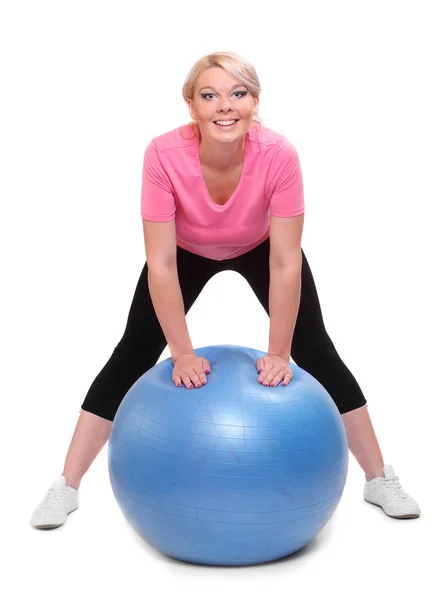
272	369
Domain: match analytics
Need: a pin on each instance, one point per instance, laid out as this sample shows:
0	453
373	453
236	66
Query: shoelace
51	497
394	486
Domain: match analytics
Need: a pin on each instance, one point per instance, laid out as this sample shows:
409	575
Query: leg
313	351
362	441
138	350
90	435
128	362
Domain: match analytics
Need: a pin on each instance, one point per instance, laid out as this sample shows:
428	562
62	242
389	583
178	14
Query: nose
225	106
226	114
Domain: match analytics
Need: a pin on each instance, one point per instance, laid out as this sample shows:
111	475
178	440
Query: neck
217	156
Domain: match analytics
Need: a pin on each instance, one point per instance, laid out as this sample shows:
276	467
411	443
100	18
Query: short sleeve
287	198
157	200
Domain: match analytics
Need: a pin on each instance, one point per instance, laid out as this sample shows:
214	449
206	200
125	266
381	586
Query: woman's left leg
313	351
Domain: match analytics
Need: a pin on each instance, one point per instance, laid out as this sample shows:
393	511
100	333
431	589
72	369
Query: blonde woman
223	192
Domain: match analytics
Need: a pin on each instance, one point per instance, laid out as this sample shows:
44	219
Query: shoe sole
408	516
50	526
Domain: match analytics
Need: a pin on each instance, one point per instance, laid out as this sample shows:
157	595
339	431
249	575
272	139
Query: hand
190	369
272	368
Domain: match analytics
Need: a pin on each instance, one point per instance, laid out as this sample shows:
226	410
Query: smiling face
220	97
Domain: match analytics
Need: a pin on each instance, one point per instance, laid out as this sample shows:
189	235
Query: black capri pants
143	340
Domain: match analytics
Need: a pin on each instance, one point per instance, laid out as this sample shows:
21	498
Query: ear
191	109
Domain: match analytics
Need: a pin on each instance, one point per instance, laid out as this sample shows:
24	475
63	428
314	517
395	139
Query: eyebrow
210	87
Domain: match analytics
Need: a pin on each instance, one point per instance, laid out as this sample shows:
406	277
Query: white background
360	88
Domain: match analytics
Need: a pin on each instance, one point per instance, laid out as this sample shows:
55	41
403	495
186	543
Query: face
219	96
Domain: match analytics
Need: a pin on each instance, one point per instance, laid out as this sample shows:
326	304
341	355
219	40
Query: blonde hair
236	66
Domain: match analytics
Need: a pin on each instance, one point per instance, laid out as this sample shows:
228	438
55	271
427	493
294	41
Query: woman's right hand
191	370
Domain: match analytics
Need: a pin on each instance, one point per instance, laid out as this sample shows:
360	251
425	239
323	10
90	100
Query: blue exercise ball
232	473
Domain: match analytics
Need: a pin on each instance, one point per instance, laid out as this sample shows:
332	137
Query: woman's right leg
89	437
139	349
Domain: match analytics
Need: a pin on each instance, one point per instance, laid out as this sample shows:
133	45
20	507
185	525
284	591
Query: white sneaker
59	501
387	492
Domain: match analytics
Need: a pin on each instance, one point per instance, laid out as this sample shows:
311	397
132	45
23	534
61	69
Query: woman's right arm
166	296
163	284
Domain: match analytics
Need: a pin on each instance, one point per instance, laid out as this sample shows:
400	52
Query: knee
312	353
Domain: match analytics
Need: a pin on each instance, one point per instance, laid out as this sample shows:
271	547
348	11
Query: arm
158	209
285	267
163	284
284	301
166	296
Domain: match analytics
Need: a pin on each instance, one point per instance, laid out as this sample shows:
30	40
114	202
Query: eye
206	94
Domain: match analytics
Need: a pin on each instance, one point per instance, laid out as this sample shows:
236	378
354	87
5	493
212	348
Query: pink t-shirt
173	186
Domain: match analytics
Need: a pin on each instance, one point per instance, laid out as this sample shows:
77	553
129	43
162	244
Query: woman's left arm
285	267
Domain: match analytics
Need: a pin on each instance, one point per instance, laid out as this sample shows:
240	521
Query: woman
223	192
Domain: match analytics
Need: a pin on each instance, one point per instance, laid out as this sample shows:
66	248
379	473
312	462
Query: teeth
225	122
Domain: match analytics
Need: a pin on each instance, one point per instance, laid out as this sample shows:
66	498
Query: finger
206	366
277	379
187	381
262	372
202	376
270	375
194	378
287	379
178	381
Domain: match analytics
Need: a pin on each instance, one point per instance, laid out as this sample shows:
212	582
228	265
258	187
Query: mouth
226	123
